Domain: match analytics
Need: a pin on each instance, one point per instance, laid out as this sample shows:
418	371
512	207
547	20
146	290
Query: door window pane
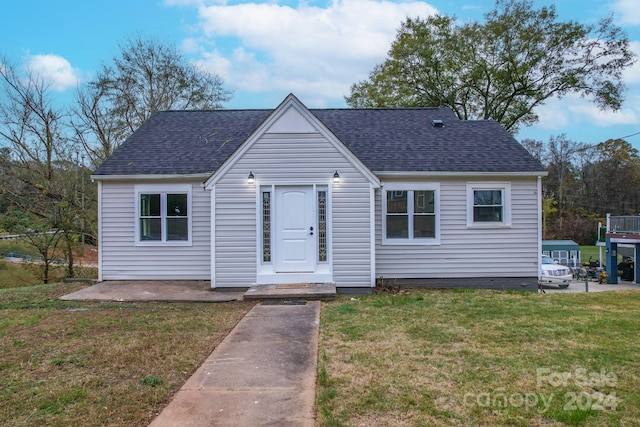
266	226
322	226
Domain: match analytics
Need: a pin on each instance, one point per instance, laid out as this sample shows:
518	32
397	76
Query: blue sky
267	49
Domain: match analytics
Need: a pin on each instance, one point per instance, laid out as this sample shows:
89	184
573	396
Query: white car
554	273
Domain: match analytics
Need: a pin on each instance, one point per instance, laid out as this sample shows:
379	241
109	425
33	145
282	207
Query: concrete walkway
262	374
578	286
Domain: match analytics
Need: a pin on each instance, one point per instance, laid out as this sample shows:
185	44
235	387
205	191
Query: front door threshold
289	278
292	291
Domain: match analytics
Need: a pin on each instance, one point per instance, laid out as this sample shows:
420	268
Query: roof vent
437	123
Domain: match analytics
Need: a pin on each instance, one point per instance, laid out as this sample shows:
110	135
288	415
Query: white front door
295	234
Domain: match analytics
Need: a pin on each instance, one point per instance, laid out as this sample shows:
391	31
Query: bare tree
30	124
147	76
562	172
38	158
45	241
95	128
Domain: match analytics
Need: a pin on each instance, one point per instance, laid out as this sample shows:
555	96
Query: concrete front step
292	291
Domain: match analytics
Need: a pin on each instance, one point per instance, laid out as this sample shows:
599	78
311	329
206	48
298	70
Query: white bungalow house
298	195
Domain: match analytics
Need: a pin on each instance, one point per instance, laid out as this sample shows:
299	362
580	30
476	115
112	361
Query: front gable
292	120
289	118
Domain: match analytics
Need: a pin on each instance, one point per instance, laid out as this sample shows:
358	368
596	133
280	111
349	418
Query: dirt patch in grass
72	363
479	358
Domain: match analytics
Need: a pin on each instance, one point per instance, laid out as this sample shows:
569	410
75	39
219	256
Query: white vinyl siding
122	259
463	251
291	159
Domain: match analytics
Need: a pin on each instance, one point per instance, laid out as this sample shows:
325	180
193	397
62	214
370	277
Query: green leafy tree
616	177
15	220
548	210
501	69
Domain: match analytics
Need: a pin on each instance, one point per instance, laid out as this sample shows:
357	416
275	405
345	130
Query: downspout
539	193
372	237
213	237
100	231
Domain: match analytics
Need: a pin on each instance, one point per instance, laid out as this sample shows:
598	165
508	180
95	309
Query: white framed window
411	214
488	204
163	215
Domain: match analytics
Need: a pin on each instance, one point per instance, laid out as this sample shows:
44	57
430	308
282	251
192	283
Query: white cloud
627	11
631	75
183	2
589	113
572	110
553	115
315	52
54	69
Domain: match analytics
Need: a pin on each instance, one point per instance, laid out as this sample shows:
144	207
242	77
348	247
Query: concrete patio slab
262	374
152	290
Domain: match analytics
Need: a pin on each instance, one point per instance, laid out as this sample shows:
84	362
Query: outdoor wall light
251	179
336	177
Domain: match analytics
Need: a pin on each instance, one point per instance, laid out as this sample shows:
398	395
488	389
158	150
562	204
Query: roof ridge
311	109
381	109
212	110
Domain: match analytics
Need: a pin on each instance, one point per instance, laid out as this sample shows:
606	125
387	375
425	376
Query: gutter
152	177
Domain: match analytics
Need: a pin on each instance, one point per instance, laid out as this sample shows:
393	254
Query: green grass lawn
89	364
441	358
15	275
418	358
592	252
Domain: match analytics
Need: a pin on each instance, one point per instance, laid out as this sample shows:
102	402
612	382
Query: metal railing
624	224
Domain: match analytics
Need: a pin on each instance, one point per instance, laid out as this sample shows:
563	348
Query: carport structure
621	230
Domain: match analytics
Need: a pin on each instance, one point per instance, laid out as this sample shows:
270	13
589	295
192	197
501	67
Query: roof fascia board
409	174
289	101
152	177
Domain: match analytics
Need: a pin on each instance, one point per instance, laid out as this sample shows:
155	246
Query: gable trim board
293	153
291	103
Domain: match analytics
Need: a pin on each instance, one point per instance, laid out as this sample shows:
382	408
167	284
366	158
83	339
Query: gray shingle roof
194	142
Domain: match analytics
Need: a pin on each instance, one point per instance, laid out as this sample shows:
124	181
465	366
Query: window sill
488	225
411	242
158	243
